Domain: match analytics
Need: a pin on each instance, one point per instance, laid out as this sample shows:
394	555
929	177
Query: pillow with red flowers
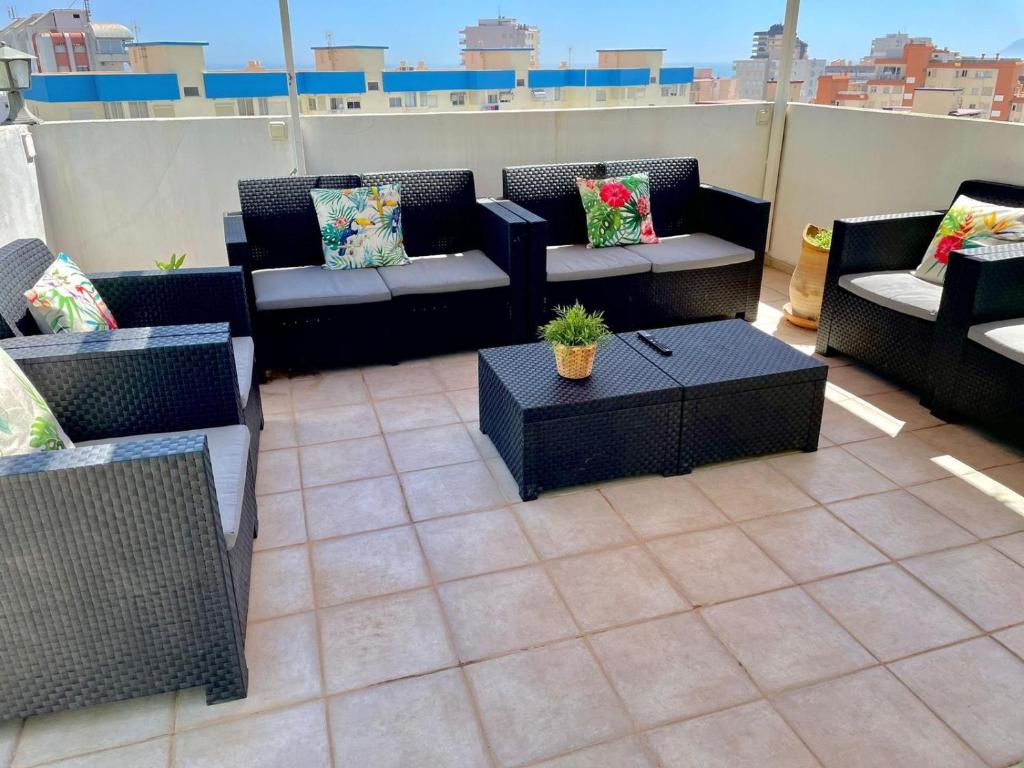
618	210
969	223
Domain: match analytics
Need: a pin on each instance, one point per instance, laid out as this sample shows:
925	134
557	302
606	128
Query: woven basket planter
574	362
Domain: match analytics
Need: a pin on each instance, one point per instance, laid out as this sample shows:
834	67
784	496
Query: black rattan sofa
125	561
873	308
978	355
708	265
471	294
142	302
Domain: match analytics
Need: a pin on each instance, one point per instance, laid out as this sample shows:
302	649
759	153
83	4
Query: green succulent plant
175	263
574	326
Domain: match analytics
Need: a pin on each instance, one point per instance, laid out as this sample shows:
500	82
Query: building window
190	90
60	48
113	110
337	103
311	104
110	46
78	48
654	80
428	100
373	85
492	98
137	109
505	97
996	113
458	98
670	90
353	104
520	82
82	68
410	99
264	106
962	73
395	102
245	107
600	95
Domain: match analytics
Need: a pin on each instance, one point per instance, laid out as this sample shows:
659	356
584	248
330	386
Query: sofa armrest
504	237
114	552
177	297
537	265
733	216
136	381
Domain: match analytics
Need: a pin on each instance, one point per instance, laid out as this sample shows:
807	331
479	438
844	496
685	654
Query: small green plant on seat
574	327
175	263
822	238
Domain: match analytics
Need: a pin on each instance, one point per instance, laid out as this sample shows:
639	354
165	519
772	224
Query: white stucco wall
726	138
120	194
21	212
838	163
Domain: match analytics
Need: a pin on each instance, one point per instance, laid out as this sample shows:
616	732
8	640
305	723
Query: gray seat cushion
578	262
469	271
1004	337
695	251
229	457
245	354
898	291
313	286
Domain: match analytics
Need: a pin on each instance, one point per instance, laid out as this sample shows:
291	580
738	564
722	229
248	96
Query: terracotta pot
808	282
574	362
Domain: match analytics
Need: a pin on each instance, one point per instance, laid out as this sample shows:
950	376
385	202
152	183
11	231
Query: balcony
861	605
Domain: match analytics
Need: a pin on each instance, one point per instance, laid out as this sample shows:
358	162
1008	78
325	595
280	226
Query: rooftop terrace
862	605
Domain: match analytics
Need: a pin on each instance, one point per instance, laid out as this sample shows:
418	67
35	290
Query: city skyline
690	33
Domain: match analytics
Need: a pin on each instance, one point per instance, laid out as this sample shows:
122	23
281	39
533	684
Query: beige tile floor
859	606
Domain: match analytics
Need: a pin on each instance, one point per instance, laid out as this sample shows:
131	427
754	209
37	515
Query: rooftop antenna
12	12
328	36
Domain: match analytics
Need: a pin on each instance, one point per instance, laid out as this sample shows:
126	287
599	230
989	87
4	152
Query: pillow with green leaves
618	210
27	424
361	227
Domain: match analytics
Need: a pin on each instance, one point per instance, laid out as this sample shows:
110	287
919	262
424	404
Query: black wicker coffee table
744	392
727	391
553	432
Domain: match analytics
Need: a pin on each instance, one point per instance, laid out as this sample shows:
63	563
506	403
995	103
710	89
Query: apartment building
68	40
707	89
170	79
502	32
754	74
891	46
929	80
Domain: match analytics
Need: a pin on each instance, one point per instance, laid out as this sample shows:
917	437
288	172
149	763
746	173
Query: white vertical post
778	129
293	90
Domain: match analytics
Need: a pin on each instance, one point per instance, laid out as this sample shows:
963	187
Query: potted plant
808	281
573	336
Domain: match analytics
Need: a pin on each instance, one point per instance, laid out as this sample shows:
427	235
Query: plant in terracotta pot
573	336
808	281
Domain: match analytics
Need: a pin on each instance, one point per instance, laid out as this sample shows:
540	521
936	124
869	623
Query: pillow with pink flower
618	210
969	223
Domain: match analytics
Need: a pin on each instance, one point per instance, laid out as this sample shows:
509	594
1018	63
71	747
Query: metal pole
778	129
293	91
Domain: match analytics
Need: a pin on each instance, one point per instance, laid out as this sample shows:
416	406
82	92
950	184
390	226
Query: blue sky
706	31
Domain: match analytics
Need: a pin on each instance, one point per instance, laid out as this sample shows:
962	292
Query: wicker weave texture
22	263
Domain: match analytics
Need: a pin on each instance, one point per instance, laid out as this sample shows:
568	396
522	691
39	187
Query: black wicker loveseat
708	265
125	560
874	309
465	287
977	367
143	302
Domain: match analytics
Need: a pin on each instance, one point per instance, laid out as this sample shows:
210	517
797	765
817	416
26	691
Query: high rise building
891	46
502	32
754	74
68	40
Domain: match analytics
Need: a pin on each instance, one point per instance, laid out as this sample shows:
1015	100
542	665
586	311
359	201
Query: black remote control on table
650	341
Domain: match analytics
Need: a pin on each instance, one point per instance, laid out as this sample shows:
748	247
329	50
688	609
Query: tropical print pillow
969	223
64	299
618	210
26	422
361	227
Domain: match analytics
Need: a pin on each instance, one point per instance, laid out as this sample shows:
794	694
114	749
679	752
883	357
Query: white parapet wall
839	163
21	211
727	140
119	194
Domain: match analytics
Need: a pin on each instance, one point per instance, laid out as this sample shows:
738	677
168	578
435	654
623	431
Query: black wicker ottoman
553	432
743	392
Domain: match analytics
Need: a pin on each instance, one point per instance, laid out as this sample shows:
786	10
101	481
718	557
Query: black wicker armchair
708	265
873	308
125	561
978	353
148	306
465	287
